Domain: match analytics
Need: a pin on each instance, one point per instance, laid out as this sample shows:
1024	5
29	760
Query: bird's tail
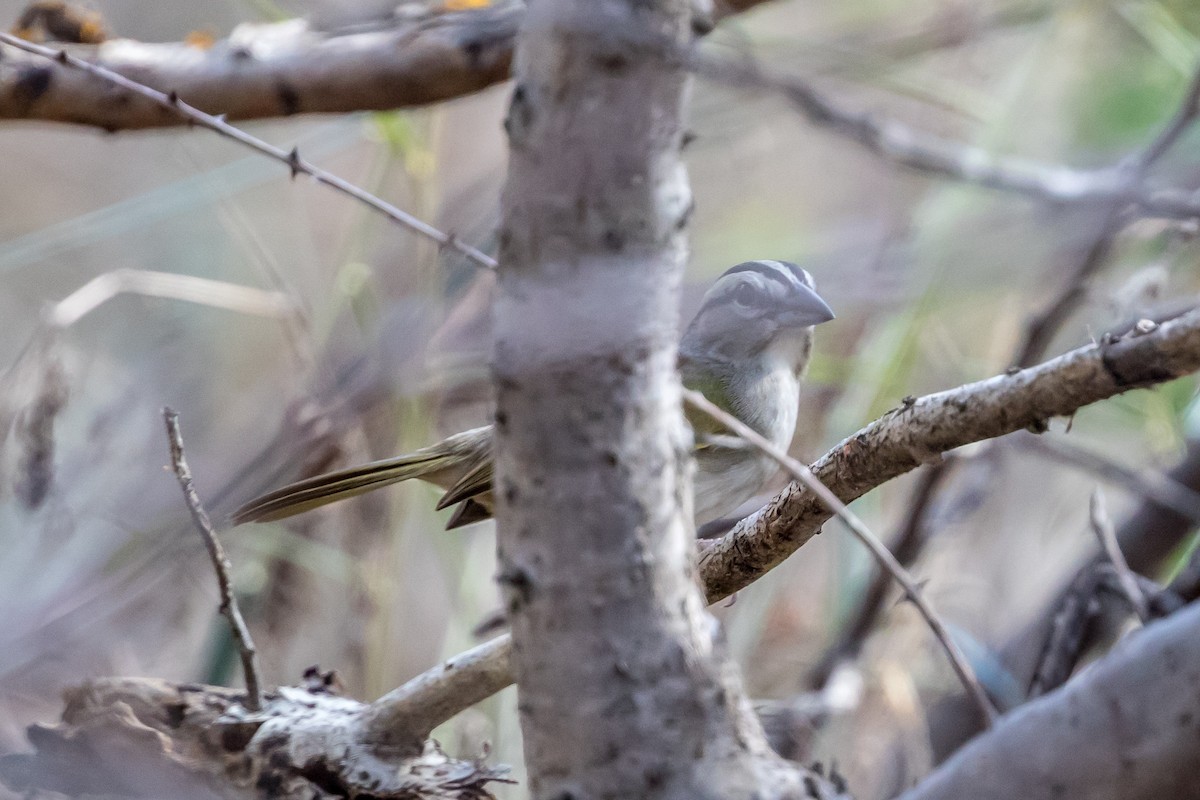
440	464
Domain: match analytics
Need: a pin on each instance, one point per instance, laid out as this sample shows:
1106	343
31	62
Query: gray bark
1125	729
622	691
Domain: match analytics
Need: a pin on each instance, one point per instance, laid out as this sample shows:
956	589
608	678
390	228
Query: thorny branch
887	561
216	553
290	158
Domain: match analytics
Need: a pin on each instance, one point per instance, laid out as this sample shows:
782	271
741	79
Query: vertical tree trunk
621	692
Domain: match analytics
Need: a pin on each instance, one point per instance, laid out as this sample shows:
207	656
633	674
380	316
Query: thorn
293	161
61	57
173	97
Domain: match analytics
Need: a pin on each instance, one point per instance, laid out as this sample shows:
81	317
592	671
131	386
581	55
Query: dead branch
438	694
274	70
220	562
1125	729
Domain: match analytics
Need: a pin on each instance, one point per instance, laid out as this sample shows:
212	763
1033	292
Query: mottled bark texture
622	691
1129	728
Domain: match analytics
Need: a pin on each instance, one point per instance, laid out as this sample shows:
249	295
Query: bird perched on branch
745	350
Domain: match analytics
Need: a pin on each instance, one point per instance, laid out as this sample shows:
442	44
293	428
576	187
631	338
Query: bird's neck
763	392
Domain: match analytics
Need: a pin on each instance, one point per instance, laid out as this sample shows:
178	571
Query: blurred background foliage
933	283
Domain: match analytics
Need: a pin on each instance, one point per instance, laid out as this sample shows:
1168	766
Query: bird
746	350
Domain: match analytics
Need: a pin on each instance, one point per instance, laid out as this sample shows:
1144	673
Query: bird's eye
745	295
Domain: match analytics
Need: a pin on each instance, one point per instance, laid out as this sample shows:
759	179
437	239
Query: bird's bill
808	309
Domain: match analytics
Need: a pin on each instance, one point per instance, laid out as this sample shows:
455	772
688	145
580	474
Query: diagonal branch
887	561
919	433
169	103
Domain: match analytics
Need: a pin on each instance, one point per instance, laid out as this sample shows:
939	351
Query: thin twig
216	553
1103	528
906	547
291	159
885	558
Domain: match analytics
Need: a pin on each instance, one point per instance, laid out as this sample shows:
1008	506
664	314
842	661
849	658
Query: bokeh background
933	282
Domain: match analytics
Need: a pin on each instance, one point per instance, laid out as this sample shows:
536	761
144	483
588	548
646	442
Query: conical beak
807	309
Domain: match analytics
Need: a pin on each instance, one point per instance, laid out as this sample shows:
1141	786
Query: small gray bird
745	350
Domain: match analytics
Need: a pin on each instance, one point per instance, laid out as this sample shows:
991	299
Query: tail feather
314	492
442	464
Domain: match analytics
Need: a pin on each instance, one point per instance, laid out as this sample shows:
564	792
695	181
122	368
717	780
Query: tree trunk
622	693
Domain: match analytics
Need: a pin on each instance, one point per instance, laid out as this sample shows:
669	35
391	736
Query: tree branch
919	433
274	70
1124	729
281	69
436	695
887	561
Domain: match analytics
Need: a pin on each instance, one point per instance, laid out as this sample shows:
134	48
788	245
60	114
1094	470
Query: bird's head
758	309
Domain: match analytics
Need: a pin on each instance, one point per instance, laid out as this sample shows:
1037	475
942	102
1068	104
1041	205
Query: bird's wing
476	481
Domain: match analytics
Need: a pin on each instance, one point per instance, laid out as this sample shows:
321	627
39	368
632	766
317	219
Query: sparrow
745	350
